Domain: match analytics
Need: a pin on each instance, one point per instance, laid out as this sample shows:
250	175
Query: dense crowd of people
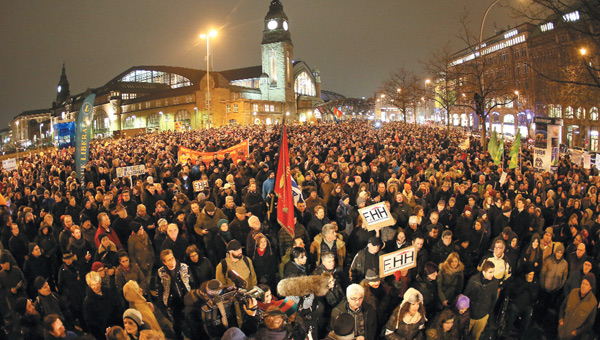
148	257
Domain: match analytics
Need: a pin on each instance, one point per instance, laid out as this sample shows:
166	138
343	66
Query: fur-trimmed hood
303	285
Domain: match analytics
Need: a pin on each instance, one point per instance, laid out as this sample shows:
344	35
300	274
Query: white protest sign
376	216
503	178
9	164
404	258
200	185
587	161
134	170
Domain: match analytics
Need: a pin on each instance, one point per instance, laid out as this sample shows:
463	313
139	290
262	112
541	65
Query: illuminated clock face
59	88
285	25
272	25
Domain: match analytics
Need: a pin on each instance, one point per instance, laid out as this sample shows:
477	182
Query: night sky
354	43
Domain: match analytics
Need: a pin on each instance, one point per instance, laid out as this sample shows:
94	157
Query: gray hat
134	315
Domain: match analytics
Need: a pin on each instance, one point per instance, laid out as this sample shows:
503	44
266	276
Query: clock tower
277	53
62	91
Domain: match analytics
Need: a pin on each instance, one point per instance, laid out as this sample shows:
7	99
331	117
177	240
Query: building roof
250	72
32	112
194	75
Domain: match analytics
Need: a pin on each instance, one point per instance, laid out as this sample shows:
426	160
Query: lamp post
207	36
17	141
40	141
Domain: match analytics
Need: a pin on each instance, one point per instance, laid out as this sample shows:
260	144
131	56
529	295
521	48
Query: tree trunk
483	134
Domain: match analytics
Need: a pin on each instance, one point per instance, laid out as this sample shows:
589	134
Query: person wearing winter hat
408	319
133	324
235	260
461	309
343	328
426	284
524	292
206	228
30	322
577	313
234	333
553	276
47	301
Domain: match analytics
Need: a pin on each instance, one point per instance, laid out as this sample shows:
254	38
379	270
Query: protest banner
404	258
236	152
376	216
128	171
9	164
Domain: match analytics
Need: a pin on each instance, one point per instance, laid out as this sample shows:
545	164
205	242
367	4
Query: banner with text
376	216
541	159
9	164
239	151
404	258
83	132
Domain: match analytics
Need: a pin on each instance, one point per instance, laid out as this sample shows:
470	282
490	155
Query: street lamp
17	141
40	141
207	36
582	51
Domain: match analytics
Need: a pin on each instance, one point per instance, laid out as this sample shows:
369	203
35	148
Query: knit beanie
591	279
221	222
463	302
343	324
134	315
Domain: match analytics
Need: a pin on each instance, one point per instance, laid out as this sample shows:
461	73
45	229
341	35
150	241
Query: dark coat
100	312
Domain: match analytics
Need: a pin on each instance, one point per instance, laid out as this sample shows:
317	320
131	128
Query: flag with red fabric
283	187
337	112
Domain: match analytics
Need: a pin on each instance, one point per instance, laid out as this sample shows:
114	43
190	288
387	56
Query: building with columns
156	98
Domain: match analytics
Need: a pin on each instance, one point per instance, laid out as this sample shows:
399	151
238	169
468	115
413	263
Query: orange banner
239	151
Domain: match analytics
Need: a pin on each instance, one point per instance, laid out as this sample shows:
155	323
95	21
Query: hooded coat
137	301
554	272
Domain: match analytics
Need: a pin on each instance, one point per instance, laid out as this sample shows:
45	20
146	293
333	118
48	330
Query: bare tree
358	106
443	89
401	89
483	85
580	19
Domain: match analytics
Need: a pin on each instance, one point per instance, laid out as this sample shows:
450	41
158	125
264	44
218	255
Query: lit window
571	17
228	108
304	85
267	107
272	108
235	107
255	107
547	27
594	113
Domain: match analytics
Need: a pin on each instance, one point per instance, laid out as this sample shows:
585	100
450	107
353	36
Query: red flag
283	187
337	112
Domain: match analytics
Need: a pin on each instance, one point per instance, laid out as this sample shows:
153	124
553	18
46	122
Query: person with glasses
502	269
365	319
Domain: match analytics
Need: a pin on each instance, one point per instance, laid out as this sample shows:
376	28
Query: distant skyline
354	43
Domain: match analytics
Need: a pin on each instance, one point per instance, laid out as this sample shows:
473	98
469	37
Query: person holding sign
366	259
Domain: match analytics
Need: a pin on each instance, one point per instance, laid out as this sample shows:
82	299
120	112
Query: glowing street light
207	36
583	51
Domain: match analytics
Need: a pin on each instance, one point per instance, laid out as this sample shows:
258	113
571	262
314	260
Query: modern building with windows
151	98
525	58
